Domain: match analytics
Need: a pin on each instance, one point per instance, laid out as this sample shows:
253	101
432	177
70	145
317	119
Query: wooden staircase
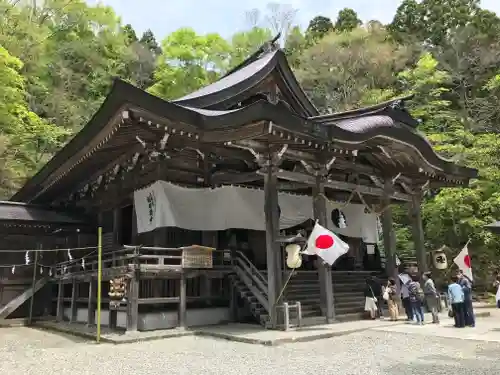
251	286
17	302
348	288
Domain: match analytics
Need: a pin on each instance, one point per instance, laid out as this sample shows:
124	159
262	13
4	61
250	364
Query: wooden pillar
74	296
134	225
389	235
418	232
91	305
272	246
182	300
117	228
60	302
233	303
324	270
133	304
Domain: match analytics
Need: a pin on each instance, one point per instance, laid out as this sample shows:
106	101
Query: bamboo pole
99	282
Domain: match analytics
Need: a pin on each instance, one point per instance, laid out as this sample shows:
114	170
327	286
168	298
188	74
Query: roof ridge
363	110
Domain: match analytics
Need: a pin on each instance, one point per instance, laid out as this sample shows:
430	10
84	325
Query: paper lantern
293	258
440	261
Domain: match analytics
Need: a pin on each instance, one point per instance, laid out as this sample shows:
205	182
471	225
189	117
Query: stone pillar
272	246
418	232
324	270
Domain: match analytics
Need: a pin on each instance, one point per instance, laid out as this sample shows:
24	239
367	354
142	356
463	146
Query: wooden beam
272	246
338	185
418	232
90	303
324	270
60	302
74	296
182	301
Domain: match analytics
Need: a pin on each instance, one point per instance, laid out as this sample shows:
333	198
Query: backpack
416	291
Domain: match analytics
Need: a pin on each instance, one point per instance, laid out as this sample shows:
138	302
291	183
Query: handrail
248	281
254	281
252	268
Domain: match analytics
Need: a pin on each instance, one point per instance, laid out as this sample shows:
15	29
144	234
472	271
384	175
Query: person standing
416	299
456	299
466	285
405	299
392	302
370	299
431	296
496	284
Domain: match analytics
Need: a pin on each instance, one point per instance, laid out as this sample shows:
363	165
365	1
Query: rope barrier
48	250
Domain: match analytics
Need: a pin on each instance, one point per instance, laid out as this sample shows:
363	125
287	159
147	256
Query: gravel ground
26	351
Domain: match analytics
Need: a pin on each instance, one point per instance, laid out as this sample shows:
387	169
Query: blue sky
228	16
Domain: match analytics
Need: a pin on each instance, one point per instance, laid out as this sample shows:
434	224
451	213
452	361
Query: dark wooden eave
129	112
28	216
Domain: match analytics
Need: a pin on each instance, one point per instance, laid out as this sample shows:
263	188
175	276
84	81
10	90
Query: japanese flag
325	244
462	260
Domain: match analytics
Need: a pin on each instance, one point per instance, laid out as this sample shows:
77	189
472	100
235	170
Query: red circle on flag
467	261
324	241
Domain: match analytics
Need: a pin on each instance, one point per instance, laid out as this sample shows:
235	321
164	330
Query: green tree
407	23
25	140
318	27
244	43
189	61
339	70
347	20
295	44
130	35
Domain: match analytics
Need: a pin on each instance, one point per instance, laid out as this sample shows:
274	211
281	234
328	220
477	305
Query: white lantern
439	258
293	258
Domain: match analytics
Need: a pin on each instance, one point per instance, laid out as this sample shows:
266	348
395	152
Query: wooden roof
29	219
377	141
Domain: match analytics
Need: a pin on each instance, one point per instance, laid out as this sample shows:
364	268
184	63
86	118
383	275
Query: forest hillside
57	62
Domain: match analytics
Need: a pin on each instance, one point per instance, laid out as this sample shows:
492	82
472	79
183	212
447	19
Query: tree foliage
347	20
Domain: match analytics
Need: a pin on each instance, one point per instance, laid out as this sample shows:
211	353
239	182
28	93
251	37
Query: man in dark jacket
466	285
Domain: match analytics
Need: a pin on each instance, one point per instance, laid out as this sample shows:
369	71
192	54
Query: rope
344	205
48	250
370	209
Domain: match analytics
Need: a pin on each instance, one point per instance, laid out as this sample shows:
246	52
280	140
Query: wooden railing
137	257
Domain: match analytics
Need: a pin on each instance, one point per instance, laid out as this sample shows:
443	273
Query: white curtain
163	204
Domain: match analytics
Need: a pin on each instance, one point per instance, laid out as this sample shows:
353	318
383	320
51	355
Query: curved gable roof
236	85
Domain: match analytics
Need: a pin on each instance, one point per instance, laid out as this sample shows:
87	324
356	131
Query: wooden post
272	247
233	302
60	301
74	296
324	270
134	225
133	305
418	232
389	235
206	288
133	296
33	282
182	300
117	222
91	303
